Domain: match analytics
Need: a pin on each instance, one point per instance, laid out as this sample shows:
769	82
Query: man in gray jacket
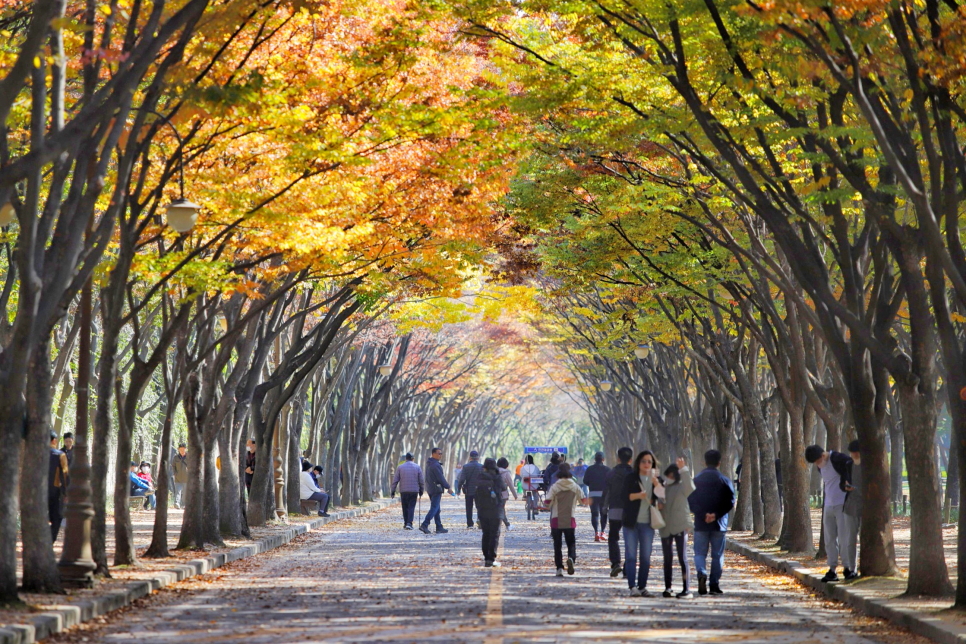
409	479
466	483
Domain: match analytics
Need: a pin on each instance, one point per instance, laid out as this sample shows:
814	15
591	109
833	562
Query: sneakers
424	529
850	575
487	564
702	584
667	593
597	537
408	526
324	514
830	576
716	590
570	566
441	530
635	592
470	526
646	593
685	595
615	570
560	572
508	527
495	564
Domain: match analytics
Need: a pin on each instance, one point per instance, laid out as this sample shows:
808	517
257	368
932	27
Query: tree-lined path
366	580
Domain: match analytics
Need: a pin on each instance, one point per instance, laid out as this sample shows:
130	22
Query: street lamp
385	369
7	214
606	385
642	351
181	214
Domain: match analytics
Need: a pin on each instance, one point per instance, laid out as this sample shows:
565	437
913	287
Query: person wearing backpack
834	467
489	495
563	497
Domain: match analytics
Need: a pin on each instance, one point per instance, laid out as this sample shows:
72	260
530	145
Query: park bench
308	507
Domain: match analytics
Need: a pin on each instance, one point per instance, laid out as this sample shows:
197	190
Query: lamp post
385	369
606	385
642	351
77	563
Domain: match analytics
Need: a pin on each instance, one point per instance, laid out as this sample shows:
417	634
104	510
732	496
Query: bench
309	507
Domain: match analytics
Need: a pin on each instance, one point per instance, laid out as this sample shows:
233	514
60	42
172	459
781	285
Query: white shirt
529	471
307	486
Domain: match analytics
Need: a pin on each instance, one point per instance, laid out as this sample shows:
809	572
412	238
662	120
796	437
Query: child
563	497
677	518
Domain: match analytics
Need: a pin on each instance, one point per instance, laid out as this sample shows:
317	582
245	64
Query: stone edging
61	618
863	601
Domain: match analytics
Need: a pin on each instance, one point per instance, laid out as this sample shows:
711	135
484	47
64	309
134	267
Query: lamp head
385	369
606	385
182	215
642	351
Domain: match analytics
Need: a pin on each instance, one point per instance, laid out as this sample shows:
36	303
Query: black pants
503	516
469	510
614	541
491	536
558	535
54	511
598	512
681	541
408	500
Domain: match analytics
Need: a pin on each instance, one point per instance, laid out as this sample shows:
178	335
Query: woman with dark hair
504	466
642	488
530	475
677	519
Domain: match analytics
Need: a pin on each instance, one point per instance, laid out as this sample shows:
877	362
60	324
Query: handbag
657	519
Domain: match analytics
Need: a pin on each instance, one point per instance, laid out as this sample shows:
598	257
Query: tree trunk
743	519
193	523
754	481
159	537
798	515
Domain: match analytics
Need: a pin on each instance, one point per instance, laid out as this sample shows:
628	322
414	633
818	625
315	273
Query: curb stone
861	600
60	618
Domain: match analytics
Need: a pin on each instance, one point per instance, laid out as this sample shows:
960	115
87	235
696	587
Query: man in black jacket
595	478
435	485
466	483
612	500
711	502
489	492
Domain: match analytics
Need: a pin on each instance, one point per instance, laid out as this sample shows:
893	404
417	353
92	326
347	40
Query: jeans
408	500
179	495
638	540
598	512
681	541
322	498
836	533
469	510
491	537
716	540
54	512
614	542
558	535
150	501
433	513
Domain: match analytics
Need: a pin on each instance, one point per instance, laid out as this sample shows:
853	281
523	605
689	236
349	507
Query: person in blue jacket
711	502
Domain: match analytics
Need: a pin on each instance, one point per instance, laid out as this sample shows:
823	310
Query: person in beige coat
563	497
677	519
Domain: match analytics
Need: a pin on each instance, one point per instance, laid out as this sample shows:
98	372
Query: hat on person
409	456
53	436
133	464
474	454
180	445
599	457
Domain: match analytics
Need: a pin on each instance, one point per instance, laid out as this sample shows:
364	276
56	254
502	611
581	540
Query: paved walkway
367	580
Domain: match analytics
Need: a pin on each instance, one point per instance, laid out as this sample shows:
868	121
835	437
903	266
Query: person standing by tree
504	466
179	465
853	510
595	481
436	484
466	483
677	520
409	480
249	464
613	503
563	497
56	486
713	498
834	467
489	493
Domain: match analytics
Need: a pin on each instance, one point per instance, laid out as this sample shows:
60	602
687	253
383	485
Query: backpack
487	493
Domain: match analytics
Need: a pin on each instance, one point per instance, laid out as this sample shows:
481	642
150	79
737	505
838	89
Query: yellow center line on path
494	601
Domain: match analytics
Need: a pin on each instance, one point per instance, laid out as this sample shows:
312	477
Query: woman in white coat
678	486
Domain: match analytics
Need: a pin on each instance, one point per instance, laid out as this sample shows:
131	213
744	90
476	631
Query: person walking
530	477
466	483
57	471
579	470
310	491
436	484
563	497
409	479
852	509
711	502
595	480
504	466
550	473
677	520
613	502
490	487
834	467
642	488
249	464
179	465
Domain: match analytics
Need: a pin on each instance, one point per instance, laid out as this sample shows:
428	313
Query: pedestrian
853	510
57	471
504	466
677	521
517	479
490	487
409	479
179	465
613	502
139	486
249	463
550	474
642	488
435	486
466	483
579	470
834	467
713	498
530	477
68	447
309	491
563	497
595	480
144	473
